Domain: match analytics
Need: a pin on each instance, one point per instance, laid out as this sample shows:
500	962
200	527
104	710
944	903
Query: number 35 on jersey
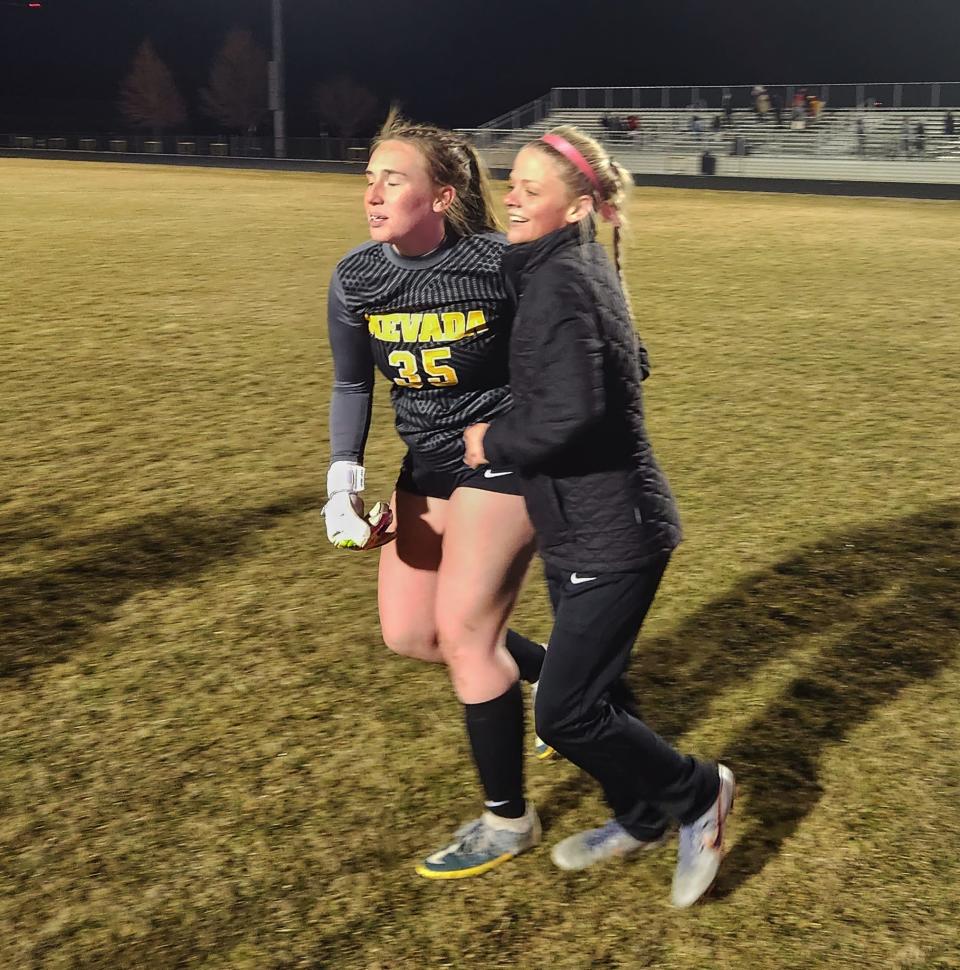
415	366
411	373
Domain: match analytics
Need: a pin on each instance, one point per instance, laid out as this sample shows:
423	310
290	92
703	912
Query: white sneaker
610	841
701	845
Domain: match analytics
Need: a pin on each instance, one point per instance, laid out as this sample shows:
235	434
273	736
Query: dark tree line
237	92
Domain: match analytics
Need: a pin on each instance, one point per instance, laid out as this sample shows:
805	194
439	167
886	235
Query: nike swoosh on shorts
577	580
491	474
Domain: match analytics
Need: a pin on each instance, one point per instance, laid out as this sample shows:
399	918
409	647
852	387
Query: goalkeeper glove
347	526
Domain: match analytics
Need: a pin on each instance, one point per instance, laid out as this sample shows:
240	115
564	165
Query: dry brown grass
207	759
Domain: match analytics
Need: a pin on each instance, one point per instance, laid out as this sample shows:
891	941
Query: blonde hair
613	182
451	160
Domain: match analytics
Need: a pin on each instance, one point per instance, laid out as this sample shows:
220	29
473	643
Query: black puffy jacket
594	491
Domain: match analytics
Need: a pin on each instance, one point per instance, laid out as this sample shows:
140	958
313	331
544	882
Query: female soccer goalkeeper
424	302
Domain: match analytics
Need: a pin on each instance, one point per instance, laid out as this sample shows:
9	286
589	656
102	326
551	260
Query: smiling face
539	201
402	204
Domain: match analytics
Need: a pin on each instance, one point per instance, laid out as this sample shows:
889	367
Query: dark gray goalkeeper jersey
437	326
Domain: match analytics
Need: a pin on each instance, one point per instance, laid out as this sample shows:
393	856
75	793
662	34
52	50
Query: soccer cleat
541	749
610	841
483	844
701	845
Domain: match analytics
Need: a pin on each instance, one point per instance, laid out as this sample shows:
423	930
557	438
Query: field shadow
47	614
885	599
21	529
563	797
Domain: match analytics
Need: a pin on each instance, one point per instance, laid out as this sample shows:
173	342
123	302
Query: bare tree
344	105
149	96
237	95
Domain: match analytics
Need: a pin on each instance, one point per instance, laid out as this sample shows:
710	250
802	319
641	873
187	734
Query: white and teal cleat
482	845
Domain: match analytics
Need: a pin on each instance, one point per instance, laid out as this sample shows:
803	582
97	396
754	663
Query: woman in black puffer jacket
605	518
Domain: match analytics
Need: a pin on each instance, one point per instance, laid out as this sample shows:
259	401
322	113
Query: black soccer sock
495	729
527	655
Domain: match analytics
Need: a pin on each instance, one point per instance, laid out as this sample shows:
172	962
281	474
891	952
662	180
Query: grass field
208	759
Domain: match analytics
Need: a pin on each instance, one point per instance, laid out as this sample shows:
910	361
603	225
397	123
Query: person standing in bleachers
798	113
905	136
763	105
726	106
776	108
920	139
948	125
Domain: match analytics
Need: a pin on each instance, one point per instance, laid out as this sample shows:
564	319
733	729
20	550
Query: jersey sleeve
352	401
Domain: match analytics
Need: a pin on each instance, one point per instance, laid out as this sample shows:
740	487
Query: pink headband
607	211
570	153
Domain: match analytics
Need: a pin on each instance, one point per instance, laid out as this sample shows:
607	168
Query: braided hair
613	179
451	160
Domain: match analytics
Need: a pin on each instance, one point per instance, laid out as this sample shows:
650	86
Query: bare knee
413	643
459	641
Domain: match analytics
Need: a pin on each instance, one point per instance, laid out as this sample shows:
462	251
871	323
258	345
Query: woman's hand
473	444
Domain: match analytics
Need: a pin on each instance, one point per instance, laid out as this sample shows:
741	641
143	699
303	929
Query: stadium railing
907	94
235	146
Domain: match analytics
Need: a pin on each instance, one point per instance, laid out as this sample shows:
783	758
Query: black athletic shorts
417	479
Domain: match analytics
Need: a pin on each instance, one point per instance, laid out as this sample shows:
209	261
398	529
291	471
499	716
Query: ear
579	209
444	198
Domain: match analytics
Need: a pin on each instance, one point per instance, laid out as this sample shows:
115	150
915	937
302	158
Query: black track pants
585	711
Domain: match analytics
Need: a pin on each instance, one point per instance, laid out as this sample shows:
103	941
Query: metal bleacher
833	133
861	143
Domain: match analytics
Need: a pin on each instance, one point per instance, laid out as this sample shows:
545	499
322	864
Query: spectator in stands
948	125
763	105
776	105
861	137
905	136
761	102
726	106
716	124
695	127
920	138
798	114
797	119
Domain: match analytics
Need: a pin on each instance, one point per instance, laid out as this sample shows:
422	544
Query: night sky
462	63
